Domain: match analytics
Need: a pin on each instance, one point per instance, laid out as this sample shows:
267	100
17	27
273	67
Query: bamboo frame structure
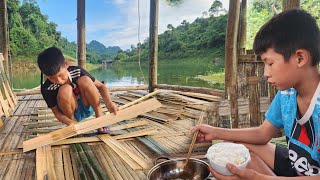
86	126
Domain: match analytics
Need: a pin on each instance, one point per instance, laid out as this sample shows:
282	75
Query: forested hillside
205	37
202	38
30	32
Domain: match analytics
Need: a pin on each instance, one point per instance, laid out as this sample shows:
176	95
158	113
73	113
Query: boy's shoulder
49	86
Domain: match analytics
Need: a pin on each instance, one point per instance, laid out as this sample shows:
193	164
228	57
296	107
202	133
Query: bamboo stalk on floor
93	161
81	172
86	164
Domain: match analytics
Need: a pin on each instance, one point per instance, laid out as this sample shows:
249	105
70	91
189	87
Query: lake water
129	74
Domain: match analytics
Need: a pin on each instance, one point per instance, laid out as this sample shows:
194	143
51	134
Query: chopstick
193	140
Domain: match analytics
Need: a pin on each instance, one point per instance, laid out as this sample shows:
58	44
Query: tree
170	27
216	8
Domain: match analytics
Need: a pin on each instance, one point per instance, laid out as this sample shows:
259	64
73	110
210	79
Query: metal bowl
173	169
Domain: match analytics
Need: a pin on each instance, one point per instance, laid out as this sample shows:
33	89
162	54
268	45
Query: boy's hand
239	174
112	108
72	123
206	132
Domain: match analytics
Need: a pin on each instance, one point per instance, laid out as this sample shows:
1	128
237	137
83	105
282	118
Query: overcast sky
115	22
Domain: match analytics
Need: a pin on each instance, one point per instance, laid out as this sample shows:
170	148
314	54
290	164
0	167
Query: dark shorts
82	111
282	164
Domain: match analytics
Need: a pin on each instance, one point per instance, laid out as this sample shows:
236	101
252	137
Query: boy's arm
291	178
255	135
112	107
61	117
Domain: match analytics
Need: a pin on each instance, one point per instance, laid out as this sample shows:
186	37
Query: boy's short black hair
287	32
50	61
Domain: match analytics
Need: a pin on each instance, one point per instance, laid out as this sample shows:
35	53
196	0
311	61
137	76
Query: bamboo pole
153	44
75	155
243	27
202	90
290	4
85	162
81	31
4	44
231	60
93	161
83	127
111	89
254	101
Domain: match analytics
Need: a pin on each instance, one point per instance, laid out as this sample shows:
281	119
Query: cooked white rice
223	153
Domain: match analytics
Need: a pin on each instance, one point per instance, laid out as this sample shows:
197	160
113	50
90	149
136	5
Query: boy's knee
85	81
65	93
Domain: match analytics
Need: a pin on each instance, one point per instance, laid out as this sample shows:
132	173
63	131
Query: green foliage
260	11
30	33
186	40
313	7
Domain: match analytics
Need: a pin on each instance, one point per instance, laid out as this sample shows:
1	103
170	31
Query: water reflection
130	74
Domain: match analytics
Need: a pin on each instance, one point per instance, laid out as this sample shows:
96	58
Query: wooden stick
193	141
83	127
111	89
202	90
129	125
143	132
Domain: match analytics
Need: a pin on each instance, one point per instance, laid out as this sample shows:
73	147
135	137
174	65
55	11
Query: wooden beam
83	127
4	43
290	4
111	89
243	27
81	31
45	163
209	91
153	44
231	60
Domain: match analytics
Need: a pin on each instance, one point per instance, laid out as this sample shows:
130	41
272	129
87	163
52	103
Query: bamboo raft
127	153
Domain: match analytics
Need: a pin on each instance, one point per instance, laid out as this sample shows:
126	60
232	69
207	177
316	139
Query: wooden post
231	59
290	4
254	101
4	44
243	27
153	44
81	33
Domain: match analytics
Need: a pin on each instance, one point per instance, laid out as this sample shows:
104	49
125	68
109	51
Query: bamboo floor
120	155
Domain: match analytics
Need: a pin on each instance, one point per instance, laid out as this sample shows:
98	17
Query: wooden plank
86	126
58	163
44	163
102	160
114	145
77	140
67	164
4	106
143	132
14	98
8	96
129	125
120	150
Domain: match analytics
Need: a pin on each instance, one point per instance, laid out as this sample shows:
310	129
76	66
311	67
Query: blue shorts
82	111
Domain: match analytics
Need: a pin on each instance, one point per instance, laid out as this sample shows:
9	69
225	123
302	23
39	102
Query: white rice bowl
220	154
